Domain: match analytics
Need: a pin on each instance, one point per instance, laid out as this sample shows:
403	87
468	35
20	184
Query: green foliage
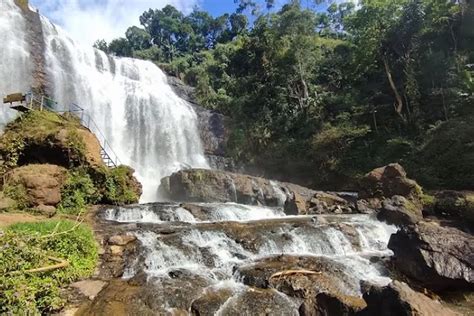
119	188
39	128
30	246
76	146
17	192
78	192
446	158
428	200
345	90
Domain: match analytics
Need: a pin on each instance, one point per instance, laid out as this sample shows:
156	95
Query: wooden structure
30	101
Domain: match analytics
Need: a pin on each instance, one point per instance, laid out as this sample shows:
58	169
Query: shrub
120	187
78	192
32	245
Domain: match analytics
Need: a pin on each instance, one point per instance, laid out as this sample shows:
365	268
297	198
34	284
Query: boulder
318	282
259	302
295	205
323	203
298	276
439	257
399	211
38	186
328	304
389	181
210	301
368	206
46	210
90	143
398	299
121	240
202	185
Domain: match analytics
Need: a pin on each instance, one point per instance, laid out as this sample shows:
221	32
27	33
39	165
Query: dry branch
293	272
61	264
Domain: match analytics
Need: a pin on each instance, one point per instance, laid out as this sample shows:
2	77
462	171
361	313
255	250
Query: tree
101	45
120	47
138	38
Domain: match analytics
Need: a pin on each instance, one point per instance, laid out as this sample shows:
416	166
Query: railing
108	155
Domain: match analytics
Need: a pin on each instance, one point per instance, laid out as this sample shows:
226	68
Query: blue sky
218	7
89	20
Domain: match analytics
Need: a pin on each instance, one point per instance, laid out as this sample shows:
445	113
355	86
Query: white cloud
89	20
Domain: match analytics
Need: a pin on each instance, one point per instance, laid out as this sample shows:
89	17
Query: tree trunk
399	102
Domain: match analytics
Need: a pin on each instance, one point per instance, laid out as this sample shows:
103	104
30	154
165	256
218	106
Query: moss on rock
51	161
47	137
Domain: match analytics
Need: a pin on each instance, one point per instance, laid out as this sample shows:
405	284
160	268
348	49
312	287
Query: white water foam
212	212
16	67
214	254
145	122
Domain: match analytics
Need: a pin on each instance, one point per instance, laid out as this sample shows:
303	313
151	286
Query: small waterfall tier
207	247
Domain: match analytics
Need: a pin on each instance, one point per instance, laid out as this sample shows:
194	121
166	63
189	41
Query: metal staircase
31	101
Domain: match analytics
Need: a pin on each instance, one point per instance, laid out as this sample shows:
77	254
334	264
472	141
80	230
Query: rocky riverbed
224	258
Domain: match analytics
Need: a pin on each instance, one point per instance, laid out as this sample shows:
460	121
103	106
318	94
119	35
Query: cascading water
227	244
146	123
15	63
149	126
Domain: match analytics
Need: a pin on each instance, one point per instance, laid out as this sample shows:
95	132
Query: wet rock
327	275
116	250
328	304
89	288
179	291
295	205
368	206
118	298
319	283
399	211
121	240
398	299
259	302
210	301
324	203
200	185
199	212
440	257
388	181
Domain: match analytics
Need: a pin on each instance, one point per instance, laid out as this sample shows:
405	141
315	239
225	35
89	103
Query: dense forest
322	97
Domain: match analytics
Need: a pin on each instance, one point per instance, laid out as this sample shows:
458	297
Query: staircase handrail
84	117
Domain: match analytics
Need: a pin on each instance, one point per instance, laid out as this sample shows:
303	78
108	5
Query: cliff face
35	37
213	127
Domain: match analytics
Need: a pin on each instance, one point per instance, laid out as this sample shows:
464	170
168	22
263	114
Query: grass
30	245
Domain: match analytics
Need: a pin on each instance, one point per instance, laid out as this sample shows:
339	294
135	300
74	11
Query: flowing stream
230	246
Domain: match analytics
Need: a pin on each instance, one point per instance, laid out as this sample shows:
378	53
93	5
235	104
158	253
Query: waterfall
149	127
16	67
